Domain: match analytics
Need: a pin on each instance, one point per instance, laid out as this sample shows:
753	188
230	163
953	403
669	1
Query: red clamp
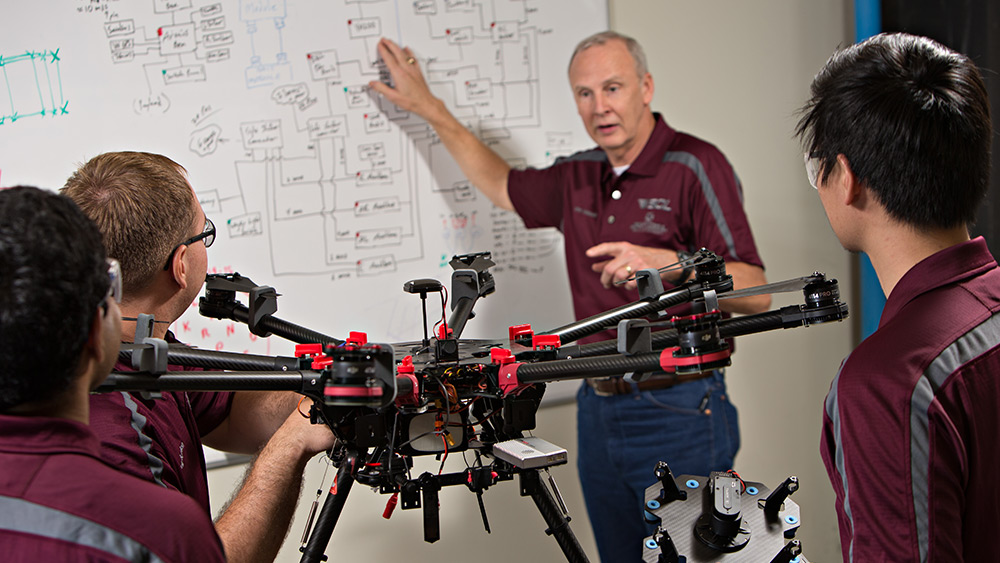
545	341
314	351
442	335
501	356
507	378
357	339
310	350
520	331
406	366
406	370
669	362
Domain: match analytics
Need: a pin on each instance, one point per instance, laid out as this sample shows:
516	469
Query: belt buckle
593	383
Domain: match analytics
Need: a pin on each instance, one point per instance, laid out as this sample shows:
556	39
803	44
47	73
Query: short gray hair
634	49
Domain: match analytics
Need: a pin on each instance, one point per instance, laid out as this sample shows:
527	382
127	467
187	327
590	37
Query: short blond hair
143	205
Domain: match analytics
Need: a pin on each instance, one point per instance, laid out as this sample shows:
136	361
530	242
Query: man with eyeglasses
152	222
897	136
59	332
207	235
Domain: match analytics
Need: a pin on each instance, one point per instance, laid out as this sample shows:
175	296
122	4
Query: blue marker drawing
33	86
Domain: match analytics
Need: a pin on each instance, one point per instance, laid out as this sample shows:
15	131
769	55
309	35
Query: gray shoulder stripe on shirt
833	411
138	424
692	162
22	516
981	339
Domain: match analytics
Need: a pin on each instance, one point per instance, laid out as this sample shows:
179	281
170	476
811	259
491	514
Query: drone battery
529	453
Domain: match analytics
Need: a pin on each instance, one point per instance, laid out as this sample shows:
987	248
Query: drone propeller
787	286
693	261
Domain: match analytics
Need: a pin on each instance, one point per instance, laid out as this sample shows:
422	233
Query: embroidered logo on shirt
657	203
648	225
587	212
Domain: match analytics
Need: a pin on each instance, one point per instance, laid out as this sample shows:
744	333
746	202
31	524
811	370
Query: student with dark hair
897	136
149	217
59	335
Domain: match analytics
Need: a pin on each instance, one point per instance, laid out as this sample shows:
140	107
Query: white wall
732	72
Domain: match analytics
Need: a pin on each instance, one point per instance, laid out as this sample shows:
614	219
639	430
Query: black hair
53	279
912	117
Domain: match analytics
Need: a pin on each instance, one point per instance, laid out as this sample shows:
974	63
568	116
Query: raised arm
483	167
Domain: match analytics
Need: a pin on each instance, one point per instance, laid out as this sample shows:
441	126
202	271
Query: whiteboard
318	187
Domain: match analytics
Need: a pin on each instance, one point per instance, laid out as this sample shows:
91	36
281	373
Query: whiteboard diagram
320	187
33	86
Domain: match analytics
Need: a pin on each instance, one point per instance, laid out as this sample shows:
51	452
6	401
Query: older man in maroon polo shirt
897	136
641	199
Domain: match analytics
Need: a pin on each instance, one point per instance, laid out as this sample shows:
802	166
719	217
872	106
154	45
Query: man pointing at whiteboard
644	197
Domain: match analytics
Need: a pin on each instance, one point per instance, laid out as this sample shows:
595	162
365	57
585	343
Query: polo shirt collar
951	265
649	160
44	435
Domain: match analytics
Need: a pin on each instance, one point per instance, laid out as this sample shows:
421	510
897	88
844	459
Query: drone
440	395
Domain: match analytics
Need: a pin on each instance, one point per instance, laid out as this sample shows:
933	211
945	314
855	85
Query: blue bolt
692	484
653	504
751	490
651	544
791	519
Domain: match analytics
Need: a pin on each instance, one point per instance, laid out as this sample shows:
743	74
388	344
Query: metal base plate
679	518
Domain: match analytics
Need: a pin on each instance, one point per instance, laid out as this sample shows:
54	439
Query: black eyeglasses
208	234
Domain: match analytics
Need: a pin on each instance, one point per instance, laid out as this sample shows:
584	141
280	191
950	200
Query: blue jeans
622	437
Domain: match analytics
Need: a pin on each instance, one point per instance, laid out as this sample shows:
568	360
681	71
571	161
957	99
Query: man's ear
93	348
851	191
178	268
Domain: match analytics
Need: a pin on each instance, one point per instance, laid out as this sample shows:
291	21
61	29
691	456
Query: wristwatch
684	256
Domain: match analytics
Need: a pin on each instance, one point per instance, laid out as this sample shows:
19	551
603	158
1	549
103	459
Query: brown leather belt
618	386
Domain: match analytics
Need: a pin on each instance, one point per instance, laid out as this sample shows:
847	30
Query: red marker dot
348	22
447	31
359	173
466	82
309	56
494	24
366	116
159	31
356	203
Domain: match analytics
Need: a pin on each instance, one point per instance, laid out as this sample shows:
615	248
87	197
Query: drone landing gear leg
313	552
557	522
